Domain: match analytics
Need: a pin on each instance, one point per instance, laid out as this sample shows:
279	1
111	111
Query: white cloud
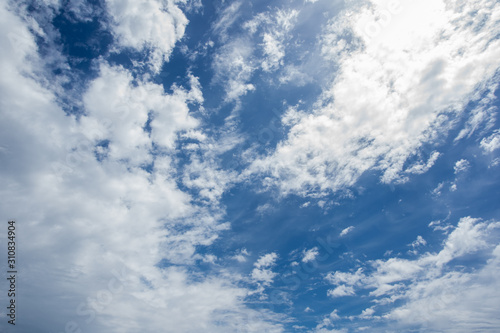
326	325
236	60
310	255
262	272
346	231
274	38
265	276
367	313
262	209
206	177
429	287
266	260
118	111
334	315
350	279
461	166
155	25
419	241
326	330
492	142
113	236
483	115
404	74
242	255
234	66
438	189
340	291
423	168
226	19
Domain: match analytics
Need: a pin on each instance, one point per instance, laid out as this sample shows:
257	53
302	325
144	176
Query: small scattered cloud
310	255
262	272
266	260
241	255
492	142
346	231
420	241
461	166
423	168
341	291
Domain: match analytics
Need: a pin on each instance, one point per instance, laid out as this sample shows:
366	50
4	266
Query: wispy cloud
430	285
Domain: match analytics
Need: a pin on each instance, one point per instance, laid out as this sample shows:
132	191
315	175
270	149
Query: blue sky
267	166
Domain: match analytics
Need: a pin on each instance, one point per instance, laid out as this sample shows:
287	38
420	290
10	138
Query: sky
321	166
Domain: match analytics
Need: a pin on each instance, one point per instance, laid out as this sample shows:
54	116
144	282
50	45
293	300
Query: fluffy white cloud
404	72
262	272
107	238
266	260
310	255
148	24
340	291
265	276
461	166
118	111
350	279
492	142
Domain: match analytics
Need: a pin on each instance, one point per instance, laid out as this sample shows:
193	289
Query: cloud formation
405	70
432	288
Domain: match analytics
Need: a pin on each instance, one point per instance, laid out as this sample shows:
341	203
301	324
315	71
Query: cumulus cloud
404	73
142	25
429	287
461	166
341	290
116	232
492	142
262	272
118	111
123	195
266	260
347	278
